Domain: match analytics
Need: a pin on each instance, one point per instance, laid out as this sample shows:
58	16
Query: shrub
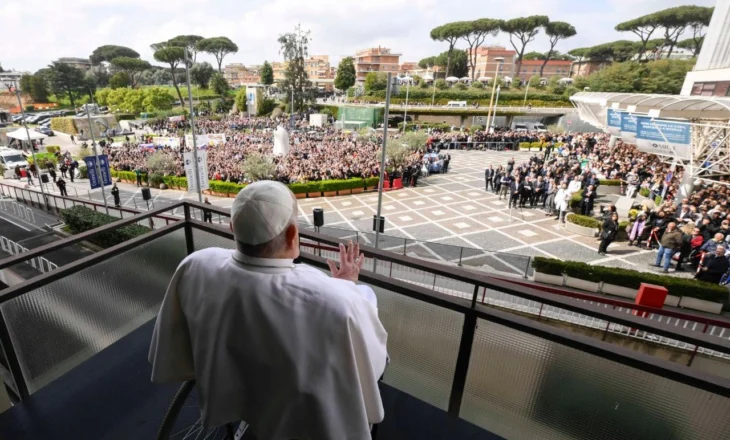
371	182
460	86
42	158
299	188
536	145
81	219
439	84
125	117
219	187
525	145
644	192
64	125
623	225
258	167
575	200
477	85
632	279
610	182
633	213
584	220
53	149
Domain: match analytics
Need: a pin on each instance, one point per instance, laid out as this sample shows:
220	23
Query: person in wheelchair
282	346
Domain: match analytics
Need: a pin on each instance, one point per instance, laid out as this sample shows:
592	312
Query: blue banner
613	118
94	180
628	123
667	138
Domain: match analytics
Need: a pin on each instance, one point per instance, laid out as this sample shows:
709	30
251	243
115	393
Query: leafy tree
345	74
109	52
162	77
267	74
427	62
219	85
38	89
459	63
201	74
524	30
67	80
219	47
693	44
643	27
119	80
676	20
160	164
662	76
24	82
556	31
188	41
146	78
241	99
449	33
132	67
534	81
375	81
99	74
477	85
440	84
258	167
295	48
534	56
102	96
156	98
698	23
173	56
476	32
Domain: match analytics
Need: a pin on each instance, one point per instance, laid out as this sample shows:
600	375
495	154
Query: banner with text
628	127
202	170
665	138
613	121
166	141
205	140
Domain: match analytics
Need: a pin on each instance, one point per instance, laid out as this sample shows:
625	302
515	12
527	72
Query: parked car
18	118
45	130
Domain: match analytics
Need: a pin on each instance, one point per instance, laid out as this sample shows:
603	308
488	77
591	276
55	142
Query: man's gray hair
276	244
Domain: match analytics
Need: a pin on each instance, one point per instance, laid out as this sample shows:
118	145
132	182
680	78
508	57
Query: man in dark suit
714	266
488	176
589	197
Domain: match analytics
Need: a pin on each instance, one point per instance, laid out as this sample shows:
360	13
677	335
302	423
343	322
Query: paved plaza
447	218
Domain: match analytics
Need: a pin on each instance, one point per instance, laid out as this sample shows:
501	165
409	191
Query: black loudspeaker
146	194
44	178
379	227
318	217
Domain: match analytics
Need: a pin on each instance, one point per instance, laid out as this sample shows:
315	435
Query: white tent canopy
484	79
428	77
21	135
452	79
465	79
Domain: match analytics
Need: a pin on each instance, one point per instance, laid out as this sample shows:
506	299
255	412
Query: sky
36	32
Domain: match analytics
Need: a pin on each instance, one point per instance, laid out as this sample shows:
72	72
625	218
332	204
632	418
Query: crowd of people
693	231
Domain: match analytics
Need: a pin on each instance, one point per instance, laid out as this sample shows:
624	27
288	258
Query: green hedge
229	188
584	220
81	219
125	116
53	149
632	279
610	182
645	192
576	199
64	125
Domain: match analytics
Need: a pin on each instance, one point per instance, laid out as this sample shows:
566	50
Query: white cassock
574	186
281	141
284	347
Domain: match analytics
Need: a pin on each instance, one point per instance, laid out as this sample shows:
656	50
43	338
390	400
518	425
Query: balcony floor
110	396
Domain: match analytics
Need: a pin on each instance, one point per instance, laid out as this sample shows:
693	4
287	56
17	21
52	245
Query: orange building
558	68
584	67
486	64
238	75
376	59
409	67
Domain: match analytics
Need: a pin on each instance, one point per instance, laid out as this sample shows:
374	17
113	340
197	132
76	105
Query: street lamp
99	177
405	112
499	61
16	87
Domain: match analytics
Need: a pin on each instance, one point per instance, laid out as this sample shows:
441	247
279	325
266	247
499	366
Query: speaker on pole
318	214
44	178
379	225
146	195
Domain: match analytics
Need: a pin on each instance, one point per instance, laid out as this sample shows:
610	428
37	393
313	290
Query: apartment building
376	59
486	62
79	63
558	68
239	75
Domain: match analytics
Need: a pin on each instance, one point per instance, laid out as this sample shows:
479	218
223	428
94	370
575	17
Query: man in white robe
295	353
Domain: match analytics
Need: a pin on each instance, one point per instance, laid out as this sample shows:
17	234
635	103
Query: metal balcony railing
452	343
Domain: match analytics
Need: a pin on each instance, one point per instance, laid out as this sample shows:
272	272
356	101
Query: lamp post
405	112
382	164
434	88
524	102
496	103
96	156
499	61
192	131
16	87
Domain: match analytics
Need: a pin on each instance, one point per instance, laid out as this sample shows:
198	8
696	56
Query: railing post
528	267
12	359
405	244
474	296
462	363
188	231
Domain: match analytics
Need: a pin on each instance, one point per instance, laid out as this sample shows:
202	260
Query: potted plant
299	190
313	190
358	185
328	188
582	225
582	276
548	271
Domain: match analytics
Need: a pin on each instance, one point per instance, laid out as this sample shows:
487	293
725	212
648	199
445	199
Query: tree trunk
448	62
671	49
71	97
174	83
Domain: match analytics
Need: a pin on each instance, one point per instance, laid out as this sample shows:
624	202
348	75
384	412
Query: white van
456	104
519	127
10	158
